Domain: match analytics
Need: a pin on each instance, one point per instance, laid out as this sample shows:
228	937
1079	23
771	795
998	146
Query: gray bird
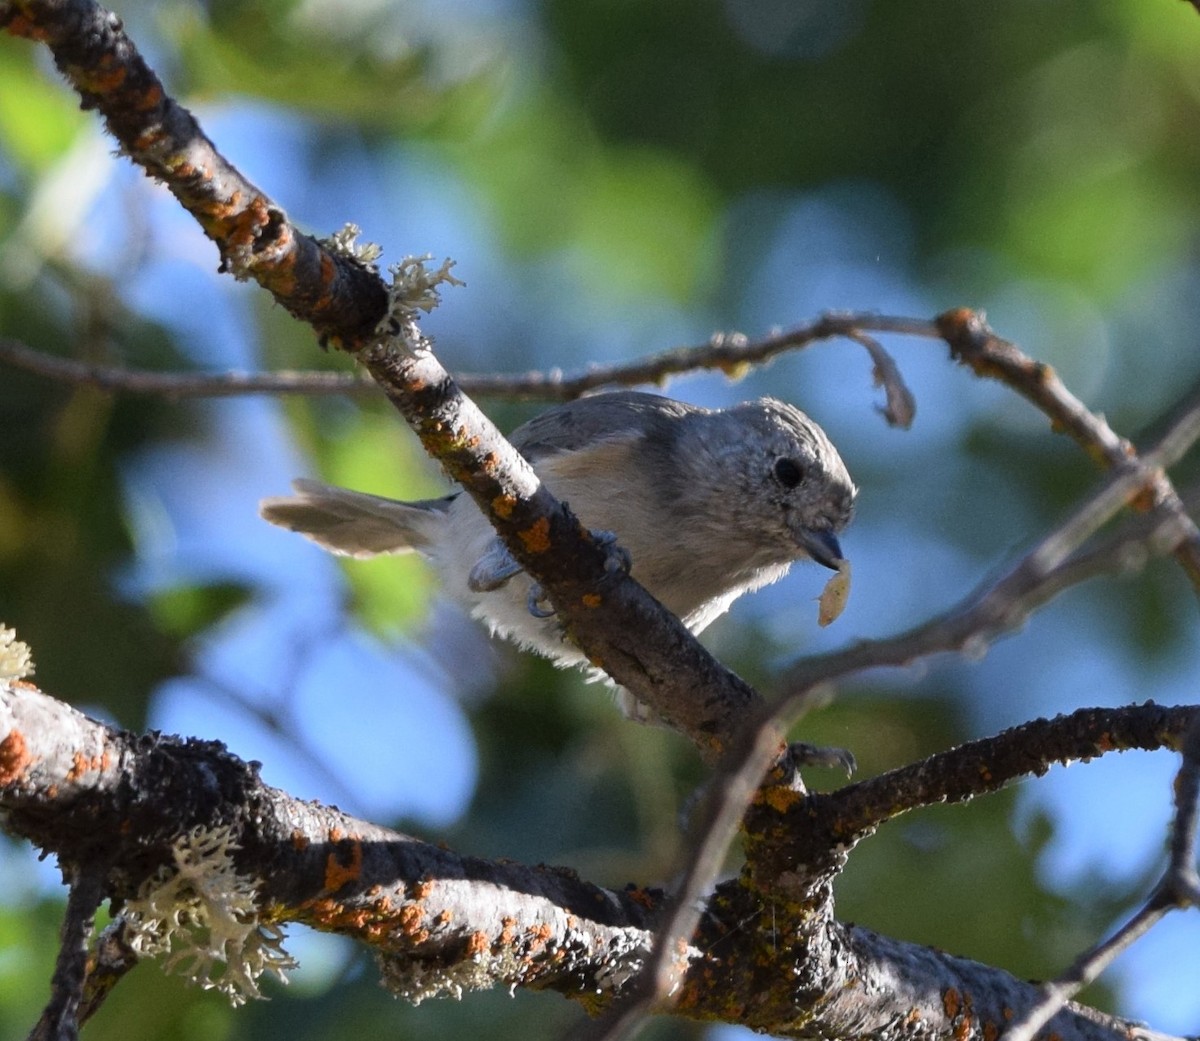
709	504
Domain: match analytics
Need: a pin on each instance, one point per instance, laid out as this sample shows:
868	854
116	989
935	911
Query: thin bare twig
112	959
177	385
975	345
733	353
1086	968
60	1020
1178	888
717	822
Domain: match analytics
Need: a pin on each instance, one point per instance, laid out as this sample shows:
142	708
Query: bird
708	504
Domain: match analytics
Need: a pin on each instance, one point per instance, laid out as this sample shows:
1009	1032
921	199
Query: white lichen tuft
204	916
415	287
16	663
343	243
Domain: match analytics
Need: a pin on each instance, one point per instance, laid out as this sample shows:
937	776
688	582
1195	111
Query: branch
92	794
179	385
846	816
60	1021
334	293
1179	888
732	353
974	344
442	922
333	287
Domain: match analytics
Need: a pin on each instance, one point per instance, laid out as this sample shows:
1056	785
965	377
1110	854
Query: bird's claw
800	753
534	600
617	557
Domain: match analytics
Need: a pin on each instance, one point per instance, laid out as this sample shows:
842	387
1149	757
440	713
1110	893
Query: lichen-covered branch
177	823
340	298
335	287
194	839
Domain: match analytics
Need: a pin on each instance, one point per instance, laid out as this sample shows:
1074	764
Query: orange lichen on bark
410	920
592	600
780	798
15	757
508	931
539	936
81	764
422	889
537	536
477	944
503	505
25	28
958	1009
373	923
245	224
151	98
338	874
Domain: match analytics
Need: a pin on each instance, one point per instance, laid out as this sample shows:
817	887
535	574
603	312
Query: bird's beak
823	547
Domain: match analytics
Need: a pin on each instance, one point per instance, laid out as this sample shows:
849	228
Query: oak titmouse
708	504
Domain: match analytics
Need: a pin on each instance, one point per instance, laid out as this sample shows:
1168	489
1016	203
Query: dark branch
443	922
341	298
61	1018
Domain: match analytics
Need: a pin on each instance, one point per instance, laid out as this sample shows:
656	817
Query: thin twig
974	344
717	822
1052	996
112	959
177	385
1182	884
60	1019
1178	888
730	352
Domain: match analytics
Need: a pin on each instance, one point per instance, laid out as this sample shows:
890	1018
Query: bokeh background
612	178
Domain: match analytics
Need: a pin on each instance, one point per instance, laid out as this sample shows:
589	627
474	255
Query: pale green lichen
16	663
343	243
204	916
415	288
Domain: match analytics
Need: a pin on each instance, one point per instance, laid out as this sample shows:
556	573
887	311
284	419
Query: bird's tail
356	524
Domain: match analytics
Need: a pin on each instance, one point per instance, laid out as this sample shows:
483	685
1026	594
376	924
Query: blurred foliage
619	177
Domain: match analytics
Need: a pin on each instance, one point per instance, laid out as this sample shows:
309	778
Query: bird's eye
788	472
